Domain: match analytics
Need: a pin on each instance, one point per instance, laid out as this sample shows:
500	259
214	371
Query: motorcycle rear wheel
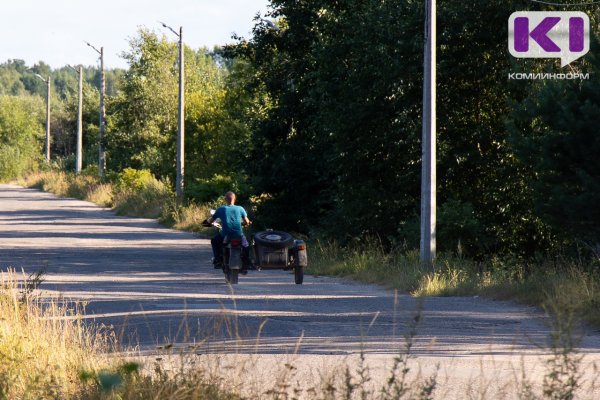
232	276
298	275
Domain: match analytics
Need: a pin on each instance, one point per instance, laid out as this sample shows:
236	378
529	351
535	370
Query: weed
33	282
40	351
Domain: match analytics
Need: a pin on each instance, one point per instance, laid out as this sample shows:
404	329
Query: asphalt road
157	286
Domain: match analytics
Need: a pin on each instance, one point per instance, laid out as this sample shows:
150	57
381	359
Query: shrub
138	193
134	179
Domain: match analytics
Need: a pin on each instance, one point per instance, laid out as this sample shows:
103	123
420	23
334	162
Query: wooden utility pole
101	153
428	166
79	151
179	179
48	120
102	118
181	124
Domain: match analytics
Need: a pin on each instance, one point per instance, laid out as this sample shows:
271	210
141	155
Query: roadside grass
84	187
41	352
48	352
132	193
565	284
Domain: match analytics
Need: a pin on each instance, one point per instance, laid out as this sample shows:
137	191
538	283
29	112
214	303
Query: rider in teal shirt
231	217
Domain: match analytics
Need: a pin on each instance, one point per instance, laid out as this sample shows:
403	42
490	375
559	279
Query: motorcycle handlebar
207	224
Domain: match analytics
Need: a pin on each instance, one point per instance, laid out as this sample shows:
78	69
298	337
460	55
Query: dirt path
156	285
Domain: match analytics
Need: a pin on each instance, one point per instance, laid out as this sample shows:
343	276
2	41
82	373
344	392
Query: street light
79	152
271	24
428	166
101	153
47	81
179	180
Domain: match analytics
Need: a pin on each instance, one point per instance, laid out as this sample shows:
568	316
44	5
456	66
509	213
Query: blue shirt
231	220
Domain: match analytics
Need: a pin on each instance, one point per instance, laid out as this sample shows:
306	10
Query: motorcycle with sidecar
266	250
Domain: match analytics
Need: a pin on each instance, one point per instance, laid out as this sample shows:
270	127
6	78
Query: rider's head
230	198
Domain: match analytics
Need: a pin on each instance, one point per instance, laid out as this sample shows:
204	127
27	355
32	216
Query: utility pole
47	81
179	180
78	149
79	156
102	118
428	166
180	123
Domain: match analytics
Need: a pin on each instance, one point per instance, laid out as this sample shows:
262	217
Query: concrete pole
79	152
428	166
101	153
181	124
48	120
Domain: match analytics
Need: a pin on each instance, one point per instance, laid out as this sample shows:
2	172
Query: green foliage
133	179
320	120
10	78
555	135
111	381
139	193
206	190
19	80
458	230
144	115
21	134
337	148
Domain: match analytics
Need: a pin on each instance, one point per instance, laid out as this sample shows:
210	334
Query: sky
54	31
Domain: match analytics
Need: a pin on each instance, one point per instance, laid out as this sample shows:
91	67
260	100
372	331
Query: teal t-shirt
231	220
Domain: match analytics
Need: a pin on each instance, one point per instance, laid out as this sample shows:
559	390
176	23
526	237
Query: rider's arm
246	221
215	216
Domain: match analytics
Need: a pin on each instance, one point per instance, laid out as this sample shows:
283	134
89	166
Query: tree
143	121
338	142
144	116
555	136
21	133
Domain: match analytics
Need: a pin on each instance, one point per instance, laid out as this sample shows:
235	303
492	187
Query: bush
138	193
134	179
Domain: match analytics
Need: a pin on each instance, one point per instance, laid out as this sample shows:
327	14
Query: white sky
54	31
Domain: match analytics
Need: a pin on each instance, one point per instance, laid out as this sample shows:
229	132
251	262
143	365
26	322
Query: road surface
156	286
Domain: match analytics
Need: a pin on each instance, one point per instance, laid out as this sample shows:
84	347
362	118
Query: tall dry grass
133	193
43	345
48	352
84	186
